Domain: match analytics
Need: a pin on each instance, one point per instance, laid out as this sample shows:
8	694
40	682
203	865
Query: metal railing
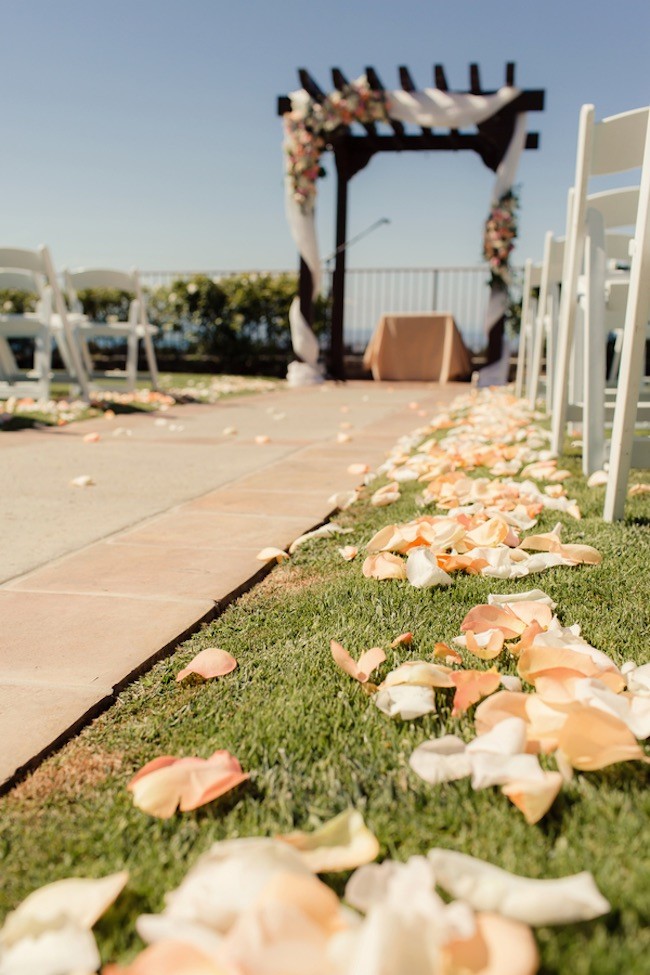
372	292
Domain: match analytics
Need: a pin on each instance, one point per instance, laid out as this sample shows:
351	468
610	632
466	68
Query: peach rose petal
92	438
442	651
492	617
597	479
490	534
499	946
325	531
530	611
420	672
349	552
271	554
342	843
168	783
361	671
262	439
384	565
386	495
637	489
490	651
358	469
485	887
461	563
532	796
498	707
75	901
592	739
402	638
84	480
209	663
471	686
170	958
558	662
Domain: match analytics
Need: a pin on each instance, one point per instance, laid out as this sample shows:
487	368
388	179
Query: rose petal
420	672
386	495
471	686
443	652
67	948
441	760
406	701
78	901
92	438
597	479
187	783
349	552
533	595
361	671
272	553
343	843
491	650
169	958
211	662
84	480
534	797
499	947
384	565
325	531
592	739
537	902
491	617
402	638
423	571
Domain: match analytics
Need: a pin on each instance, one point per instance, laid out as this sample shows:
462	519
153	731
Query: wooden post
305	291
337	364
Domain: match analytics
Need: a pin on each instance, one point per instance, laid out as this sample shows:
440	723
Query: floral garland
309	123
499	237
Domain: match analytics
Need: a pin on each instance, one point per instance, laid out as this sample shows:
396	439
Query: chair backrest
84	278
126	281
39	263
25	281
613	146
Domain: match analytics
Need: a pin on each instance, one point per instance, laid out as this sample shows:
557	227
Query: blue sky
145	131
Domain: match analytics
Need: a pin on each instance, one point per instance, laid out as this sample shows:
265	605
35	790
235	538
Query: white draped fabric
496	374
430	108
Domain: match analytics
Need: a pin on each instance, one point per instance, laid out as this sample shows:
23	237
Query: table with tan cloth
417	345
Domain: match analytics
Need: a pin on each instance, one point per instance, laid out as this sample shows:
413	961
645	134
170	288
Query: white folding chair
134	329
33	273
593	295
627	450
529	316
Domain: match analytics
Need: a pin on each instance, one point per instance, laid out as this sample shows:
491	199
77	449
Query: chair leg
132	361
625	412
594	362
151	360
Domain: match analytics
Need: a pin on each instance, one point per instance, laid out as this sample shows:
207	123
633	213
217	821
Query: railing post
434	297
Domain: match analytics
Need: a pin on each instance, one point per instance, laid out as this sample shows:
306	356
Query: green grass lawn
315	744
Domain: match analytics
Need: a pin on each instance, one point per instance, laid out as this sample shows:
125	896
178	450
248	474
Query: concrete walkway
96	583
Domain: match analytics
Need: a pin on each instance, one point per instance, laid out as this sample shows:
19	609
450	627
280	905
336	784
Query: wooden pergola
353	151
